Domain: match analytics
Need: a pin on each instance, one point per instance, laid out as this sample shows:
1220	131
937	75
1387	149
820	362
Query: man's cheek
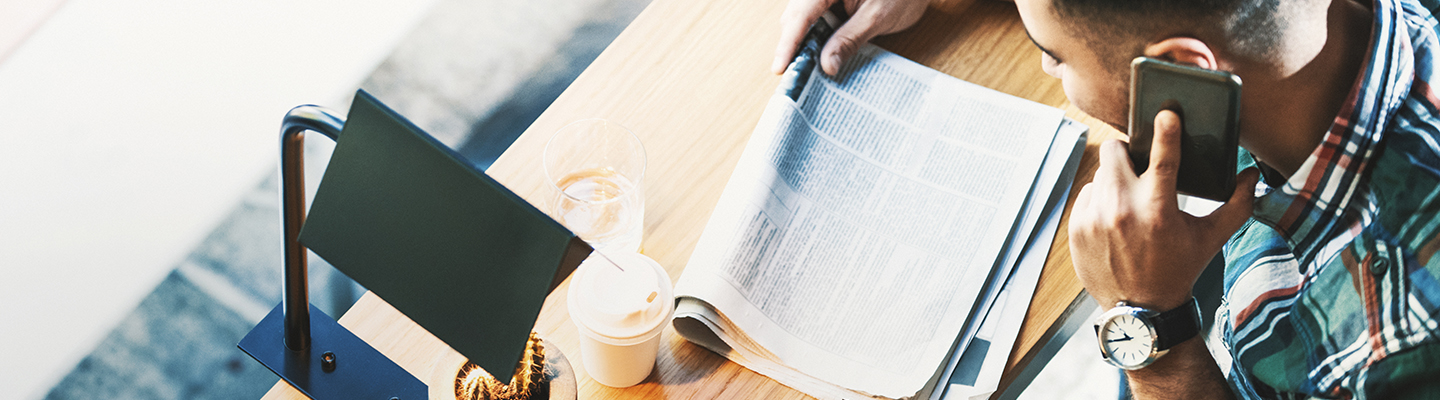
1087	103
1105	103
1075	95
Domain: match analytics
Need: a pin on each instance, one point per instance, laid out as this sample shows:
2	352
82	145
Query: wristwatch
1133	337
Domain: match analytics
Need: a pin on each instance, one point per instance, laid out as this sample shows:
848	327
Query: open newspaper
862	229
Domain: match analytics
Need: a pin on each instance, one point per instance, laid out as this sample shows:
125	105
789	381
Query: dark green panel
445	244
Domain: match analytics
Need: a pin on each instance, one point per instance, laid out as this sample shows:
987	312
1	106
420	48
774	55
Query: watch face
1127	341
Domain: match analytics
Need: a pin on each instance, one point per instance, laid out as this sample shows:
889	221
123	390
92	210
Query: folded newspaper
872	220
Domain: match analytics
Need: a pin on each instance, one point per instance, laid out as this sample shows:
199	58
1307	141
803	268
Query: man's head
1089	43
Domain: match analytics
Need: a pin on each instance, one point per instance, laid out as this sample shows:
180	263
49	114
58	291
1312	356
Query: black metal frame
292	200
345	367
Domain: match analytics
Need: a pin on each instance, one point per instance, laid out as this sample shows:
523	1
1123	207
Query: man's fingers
847	40
1233	214
796	20
1165	150
1082	201
1080	213
1114	162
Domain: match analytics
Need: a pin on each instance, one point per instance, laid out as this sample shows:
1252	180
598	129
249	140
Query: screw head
327	361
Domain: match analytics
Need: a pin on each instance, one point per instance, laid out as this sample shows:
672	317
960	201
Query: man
1331	285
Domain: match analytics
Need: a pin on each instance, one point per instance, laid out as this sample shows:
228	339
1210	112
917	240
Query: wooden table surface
691	77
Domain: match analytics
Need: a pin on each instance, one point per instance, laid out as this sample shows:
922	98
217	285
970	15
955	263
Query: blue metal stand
337	365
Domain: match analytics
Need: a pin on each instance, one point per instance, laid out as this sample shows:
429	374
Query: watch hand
1127	337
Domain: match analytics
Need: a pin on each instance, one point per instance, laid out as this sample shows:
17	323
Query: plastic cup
596	168
620	314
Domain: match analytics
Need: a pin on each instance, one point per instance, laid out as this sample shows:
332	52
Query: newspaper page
975	368
868	209
1035	231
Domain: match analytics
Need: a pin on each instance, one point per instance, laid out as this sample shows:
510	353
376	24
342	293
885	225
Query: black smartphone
1208	103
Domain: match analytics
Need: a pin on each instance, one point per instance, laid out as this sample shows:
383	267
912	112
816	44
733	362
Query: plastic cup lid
620	305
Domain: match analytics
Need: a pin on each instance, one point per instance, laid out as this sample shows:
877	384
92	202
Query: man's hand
1128	238
868	19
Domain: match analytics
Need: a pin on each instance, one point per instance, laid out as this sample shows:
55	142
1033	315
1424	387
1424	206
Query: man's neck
1288	110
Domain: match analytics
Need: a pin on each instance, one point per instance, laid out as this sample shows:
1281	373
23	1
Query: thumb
794	23
1165	151
846	41
1233	214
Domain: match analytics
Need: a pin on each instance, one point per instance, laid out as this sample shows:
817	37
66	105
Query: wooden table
691	78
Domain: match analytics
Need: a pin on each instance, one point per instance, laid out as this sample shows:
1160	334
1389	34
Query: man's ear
1183	50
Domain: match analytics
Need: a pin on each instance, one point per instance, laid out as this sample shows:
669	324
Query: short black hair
1118	29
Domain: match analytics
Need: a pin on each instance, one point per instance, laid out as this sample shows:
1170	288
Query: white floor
129	128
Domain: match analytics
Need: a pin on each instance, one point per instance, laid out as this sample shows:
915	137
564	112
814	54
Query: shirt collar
1312	203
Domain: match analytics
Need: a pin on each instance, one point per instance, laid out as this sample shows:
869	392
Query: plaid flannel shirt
1332	289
